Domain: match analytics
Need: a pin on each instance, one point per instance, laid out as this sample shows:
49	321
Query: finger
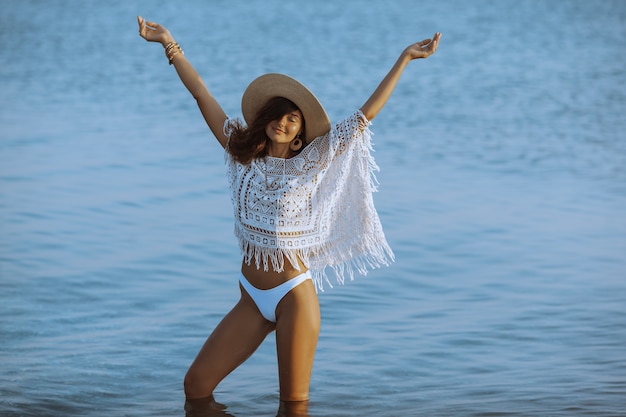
424	42
142	28
436	39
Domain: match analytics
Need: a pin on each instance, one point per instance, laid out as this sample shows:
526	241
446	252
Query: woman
302	199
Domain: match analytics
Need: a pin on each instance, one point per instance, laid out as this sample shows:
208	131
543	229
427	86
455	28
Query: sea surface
502	193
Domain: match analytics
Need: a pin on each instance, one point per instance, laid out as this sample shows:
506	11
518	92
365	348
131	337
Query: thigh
297	330
234	339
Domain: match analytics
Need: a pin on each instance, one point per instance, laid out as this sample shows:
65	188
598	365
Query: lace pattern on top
316	206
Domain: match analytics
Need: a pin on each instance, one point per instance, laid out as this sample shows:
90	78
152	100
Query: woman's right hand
153	32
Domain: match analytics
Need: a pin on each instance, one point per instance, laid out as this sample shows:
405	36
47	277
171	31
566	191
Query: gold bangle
171	45
176	52
171	50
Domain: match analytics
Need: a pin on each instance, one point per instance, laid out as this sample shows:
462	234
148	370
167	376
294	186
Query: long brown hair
250	143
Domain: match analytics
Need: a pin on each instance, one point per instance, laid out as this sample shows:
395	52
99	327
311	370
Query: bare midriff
264	280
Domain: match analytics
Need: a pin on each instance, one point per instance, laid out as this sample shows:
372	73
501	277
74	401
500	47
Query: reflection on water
208	407
293	409
205	407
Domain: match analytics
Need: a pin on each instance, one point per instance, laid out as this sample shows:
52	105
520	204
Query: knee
195	385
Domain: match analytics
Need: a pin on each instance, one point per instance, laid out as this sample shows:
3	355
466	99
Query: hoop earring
296	144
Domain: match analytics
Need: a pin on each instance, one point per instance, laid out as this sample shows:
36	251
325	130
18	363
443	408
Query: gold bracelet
170	46
176	52
171	50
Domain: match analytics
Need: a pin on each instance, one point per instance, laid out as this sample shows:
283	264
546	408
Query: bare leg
297	330
237	336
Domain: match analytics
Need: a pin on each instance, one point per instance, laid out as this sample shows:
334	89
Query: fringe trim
378	257
264	256
347	258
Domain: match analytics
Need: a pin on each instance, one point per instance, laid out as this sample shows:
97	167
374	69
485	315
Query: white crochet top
316	206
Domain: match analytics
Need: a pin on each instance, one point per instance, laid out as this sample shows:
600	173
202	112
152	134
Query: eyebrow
296	114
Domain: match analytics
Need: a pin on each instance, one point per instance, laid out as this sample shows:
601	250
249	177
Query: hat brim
273	85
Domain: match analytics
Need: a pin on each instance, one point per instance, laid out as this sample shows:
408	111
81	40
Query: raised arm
209	107
377	100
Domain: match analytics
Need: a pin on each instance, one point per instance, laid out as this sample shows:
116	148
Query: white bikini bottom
267	300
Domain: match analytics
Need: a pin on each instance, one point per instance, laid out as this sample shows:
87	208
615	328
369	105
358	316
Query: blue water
503	194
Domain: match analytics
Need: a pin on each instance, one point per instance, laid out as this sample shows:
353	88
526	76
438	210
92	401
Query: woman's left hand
423	49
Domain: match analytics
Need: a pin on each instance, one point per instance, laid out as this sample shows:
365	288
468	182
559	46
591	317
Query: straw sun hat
278	85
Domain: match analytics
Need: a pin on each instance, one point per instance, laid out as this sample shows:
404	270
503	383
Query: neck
281	150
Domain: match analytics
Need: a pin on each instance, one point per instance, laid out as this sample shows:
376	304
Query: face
285	129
